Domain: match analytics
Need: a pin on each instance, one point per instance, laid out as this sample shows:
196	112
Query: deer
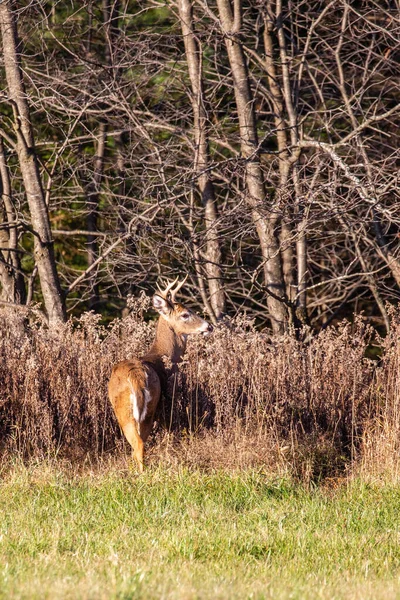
136	385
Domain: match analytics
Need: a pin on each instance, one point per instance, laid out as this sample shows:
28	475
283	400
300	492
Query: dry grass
381	440
311	409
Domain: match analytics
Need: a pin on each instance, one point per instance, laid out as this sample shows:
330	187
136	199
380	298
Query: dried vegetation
315	408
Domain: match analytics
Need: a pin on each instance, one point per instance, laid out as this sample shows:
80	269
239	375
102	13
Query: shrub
240	396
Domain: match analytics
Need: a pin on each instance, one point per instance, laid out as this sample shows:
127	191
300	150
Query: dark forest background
252	145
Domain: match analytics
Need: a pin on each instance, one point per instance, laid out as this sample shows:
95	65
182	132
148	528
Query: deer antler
176	290
164	293
172	292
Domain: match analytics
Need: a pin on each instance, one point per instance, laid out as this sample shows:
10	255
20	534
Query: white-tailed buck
136	385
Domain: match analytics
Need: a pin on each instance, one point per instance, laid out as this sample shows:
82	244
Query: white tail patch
140	415
135	407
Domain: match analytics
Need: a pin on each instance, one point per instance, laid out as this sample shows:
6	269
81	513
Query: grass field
187	534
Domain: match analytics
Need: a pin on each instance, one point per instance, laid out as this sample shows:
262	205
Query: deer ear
161	305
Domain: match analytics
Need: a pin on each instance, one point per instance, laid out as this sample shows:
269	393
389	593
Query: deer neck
167	343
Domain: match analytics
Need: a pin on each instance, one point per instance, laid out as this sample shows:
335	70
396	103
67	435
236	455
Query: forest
251	145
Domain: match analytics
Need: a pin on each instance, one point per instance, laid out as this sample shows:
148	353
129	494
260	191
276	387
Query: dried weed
241	398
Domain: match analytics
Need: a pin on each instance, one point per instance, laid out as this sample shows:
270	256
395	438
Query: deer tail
140	394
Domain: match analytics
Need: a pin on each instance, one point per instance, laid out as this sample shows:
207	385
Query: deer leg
132	435
146	427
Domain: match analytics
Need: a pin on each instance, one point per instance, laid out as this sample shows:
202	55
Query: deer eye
185	316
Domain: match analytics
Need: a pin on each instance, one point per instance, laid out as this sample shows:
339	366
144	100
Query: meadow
189	534
272	469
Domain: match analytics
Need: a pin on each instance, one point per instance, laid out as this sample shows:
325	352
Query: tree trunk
301	241
285	164
43	243
265	222
204	182
11	277
92	202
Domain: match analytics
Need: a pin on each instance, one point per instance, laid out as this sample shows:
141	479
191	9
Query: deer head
181	319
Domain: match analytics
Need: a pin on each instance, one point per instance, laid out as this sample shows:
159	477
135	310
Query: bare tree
201	160
11	276
43	243
265	221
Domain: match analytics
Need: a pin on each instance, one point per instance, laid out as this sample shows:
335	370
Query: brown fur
135	385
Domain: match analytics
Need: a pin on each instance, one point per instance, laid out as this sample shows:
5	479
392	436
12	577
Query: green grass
190	535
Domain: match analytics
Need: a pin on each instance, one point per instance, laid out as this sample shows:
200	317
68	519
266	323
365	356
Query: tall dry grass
381	439
241	397
53	383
